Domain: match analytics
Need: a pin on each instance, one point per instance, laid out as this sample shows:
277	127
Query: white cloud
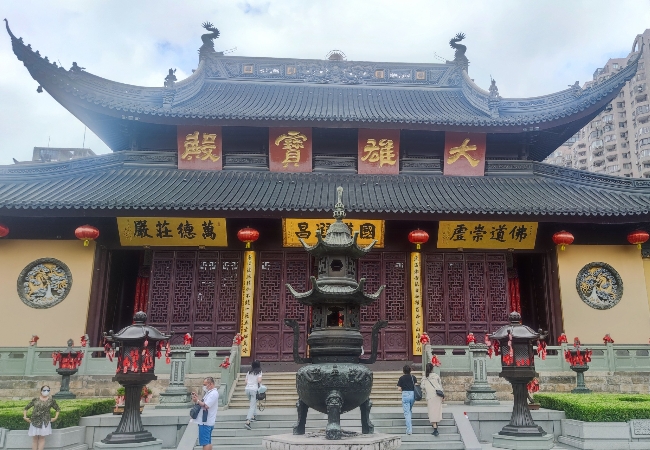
530	48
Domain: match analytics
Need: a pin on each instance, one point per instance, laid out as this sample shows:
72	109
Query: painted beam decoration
248	295
290	149
493	235
295	229
378	151
464	154
416	301
199	148
172	231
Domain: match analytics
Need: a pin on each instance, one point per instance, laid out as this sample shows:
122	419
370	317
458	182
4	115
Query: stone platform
317	441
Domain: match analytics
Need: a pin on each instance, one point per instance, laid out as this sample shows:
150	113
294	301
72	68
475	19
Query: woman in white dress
432	386
41	420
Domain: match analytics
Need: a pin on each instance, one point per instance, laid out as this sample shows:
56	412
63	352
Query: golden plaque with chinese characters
378	151
290	150
464	154
295	229
494	235
199	148
172	231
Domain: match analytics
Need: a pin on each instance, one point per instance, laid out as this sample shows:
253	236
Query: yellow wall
629	321
55	325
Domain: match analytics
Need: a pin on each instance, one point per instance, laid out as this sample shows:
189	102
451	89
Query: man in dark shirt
406	385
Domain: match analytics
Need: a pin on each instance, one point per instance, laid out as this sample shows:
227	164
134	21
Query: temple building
197	215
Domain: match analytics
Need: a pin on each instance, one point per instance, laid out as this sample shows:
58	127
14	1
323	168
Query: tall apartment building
616	141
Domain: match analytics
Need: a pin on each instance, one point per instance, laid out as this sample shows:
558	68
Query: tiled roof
258	90
151	181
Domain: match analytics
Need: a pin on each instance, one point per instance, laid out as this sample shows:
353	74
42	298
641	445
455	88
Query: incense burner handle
375	342
296	338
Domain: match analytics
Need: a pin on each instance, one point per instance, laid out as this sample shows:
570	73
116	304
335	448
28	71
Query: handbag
261	392
439	392
194	412
417	390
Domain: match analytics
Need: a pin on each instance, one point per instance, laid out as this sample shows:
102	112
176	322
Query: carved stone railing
605	358
37	361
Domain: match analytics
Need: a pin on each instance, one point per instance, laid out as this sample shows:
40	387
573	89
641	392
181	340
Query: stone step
238	430
227	427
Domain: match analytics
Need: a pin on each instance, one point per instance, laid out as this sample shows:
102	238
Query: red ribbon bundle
533	386
226	363
238	339
608	339
84	340
562	339
435	361
187	339
470	339
424	338
541	349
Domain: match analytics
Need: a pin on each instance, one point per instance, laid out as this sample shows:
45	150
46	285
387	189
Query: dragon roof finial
459	56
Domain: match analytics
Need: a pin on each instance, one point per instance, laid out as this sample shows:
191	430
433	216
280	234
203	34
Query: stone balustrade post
610	354
480	392
29	361
177	395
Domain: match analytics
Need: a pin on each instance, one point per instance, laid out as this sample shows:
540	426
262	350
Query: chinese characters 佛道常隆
498	235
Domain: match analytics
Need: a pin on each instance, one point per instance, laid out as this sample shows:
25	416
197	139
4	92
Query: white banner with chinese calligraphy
199	147
416	302
495	235
248	295
293	229
172	231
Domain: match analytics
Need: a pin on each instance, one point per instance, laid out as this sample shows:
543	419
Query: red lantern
87	233
563	238
4	230
638	237
248	235
418	237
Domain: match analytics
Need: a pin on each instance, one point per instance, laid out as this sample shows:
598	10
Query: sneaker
247	426
253	419
435	432
408	433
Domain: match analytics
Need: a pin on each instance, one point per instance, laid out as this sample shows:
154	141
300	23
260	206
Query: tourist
208	416
40	423
253	381
432	386
406	385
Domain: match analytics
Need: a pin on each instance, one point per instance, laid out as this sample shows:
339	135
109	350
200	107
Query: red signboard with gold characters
290	149
464	154
199	148
379	151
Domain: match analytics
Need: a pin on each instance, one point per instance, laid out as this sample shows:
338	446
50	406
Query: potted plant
145	397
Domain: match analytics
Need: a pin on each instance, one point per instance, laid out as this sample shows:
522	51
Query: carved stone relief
44	283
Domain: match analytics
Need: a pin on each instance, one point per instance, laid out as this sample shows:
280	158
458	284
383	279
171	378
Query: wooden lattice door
389	269
464	292
196	292
273	340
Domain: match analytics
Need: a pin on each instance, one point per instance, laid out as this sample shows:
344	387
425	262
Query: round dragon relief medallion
44	283
599	285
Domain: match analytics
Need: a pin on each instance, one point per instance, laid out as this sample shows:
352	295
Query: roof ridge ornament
339	208
459	56
208	38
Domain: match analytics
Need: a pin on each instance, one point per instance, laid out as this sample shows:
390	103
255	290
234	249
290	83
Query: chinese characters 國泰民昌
292	142
200	149
456	152
367	230
164	229
381	152
498	233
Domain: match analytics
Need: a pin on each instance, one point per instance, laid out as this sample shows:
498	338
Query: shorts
205	434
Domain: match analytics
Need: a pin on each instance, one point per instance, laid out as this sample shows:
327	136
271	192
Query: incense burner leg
366	425
334	405
299	427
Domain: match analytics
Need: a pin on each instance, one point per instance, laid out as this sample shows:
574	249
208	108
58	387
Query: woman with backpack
253	380
432	385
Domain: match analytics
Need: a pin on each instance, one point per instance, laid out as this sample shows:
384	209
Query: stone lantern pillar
138	345
480	392
176	395
518	367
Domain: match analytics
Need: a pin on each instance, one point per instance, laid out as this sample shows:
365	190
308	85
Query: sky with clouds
530	48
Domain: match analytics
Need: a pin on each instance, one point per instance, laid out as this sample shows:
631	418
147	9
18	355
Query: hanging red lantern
87	233
248	235
4	230
563	238
638	237
418	237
